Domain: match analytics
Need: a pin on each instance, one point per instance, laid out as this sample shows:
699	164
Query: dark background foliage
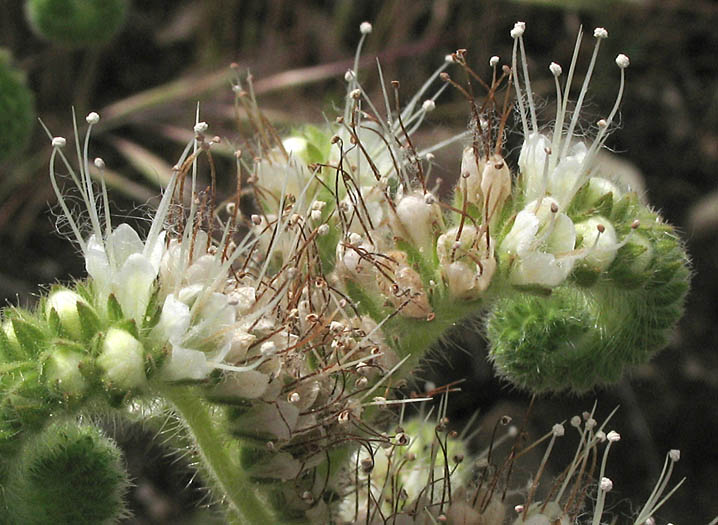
172	53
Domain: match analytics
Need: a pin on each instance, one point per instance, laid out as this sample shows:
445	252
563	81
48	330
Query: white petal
203	271
565	178
522	234
123	242
542	269
188	294
157	251
174	321
96	263
215	323
134	285
531	164
185	363
563	237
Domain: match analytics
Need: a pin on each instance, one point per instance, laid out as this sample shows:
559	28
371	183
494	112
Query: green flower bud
65	304
76	22
17	109
122	359
67	474
633	261
597	189
62	370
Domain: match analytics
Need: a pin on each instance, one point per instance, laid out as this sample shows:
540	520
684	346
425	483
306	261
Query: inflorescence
296	324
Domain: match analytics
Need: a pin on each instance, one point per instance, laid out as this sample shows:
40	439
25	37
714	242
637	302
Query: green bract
76	22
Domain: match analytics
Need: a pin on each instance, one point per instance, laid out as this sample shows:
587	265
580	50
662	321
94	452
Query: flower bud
598	188
62	370
417	218
495	185
467	265
599	240
64	303
471	170
122	359
405	291
633	261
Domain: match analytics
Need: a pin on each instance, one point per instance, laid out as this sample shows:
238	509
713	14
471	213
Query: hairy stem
221	468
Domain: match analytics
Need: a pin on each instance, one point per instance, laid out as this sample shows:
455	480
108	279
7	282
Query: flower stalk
219	456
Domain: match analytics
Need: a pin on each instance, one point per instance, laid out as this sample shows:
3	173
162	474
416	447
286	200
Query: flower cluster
283	350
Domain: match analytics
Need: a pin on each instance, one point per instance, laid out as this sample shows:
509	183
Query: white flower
540	244
187	274
124	265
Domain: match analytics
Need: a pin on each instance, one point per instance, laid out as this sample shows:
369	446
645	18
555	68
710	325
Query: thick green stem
223	470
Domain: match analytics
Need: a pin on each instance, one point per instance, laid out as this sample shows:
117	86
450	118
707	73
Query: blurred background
144	65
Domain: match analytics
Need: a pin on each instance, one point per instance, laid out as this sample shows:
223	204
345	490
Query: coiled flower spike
611	276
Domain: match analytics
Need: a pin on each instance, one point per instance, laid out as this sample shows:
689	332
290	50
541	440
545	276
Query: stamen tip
622	61
428	105
493	61
606	484
58	142
92	118
518	30
365	28
555	69
600	32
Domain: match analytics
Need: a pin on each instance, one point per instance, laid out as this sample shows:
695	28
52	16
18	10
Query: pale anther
92	118
622	61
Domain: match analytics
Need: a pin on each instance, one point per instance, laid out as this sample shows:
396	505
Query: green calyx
76	23
17	109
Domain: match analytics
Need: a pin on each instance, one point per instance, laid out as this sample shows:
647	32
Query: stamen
558	125
529	93
599	33
622	62
567	89
516	32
